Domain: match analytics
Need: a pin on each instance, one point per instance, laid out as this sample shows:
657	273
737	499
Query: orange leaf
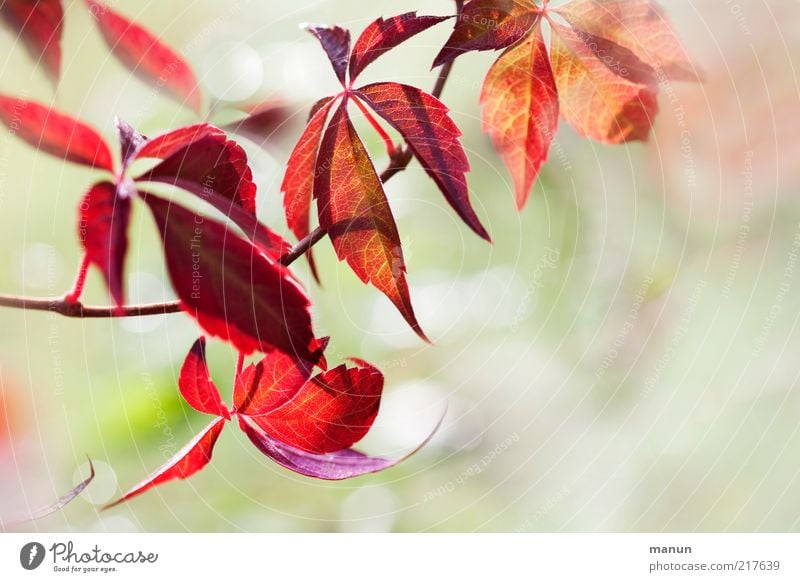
637	25
606	92
520	110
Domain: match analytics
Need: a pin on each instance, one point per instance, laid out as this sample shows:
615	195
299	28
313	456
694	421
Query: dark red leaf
385	34
211	163
147	57
262	124
189	460
55	133
40	26
130	141
234	291
354	212
333	466
103	232
270	383
54	507
432	136
336	43
196	385
486	25
520	110
331	412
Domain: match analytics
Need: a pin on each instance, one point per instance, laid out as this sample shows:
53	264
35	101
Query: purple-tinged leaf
130	141
336	43
54	507
334	466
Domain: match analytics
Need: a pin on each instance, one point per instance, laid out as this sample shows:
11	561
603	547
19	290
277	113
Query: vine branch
69	307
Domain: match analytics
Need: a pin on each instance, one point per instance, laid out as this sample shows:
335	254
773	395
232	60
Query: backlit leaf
55	133
103	232
188	461
355	213
146	56
196	385
332	411
235	291
335	42
432	136
40	26
520	110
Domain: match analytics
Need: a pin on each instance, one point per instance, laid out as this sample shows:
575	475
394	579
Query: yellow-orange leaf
605	91
520	110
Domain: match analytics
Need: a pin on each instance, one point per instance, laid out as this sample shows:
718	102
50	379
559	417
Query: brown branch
69	308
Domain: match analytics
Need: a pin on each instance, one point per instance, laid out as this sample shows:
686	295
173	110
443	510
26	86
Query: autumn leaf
335	41
102	230
424	123
188	461
353	210
641	26
330	412
55	133
146	56
385	34
40	25
601	76
488	25
520	110
270	383
235	291
196	385
264	122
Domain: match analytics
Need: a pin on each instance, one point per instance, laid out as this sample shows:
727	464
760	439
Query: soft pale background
623	358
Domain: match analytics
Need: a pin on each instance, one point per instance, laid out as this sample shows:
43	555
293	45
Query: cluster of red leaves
602	73
304	423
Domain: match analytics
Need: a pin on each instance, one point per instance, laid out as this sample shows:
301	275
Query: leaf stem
80	281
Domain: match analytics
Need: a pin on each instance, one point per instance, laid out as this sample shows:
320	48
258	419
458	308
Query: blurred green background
622	358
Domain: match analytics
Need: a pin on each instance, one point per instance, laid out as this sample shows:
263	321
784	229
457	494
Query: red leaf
210	163
40	26
196	385
234	291
189	460
55	133
520	110
637	25
146	56
298	182
103	232
486	25
610	98
262	124
355	213
334	466
163	146
335	42
270	383
331	412
385	34
433	138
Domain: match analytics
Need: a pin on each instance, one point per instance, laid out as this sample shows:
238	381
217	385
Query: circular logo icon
31	555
